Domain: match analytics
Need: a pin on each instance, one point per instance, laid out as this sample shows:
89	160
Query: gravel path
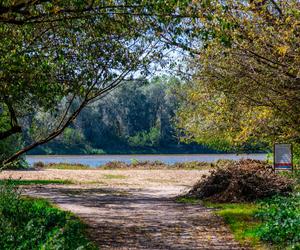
138	211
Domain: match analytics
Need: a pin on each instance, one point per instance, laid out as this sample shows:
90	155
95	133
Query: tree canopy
246	86
58	54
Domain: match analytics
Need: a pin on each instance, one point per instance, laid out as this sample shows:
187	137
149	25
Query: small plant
281	217
38	165
134	161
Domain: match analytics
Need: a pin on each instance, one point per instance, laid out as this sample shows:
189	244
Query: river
98	160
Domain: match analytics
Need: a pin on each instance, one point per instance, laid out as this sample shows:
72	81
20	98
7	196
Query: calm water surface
98	160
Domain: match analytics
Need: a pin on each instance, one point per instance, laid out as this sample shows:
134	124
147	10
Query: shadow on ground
133	218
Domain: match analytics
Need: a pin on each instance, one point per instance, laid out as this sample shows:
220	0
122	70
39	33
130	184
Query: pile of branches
244	180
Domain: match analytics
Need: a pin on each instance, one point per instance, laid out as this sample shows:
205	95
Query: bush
38	165
34	224
281	217
244	180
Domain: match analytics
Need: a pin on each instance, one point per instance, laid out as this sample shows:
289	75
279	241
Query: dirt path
134	215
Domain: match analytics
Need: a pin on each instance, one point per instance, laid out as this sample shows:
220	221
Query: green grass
241	220
35	224
114	176
17	182
240	217
273	222
188	200
66	166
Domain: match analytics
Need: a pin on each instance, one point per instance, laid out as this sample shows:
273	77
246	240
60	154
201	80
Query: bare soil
134	209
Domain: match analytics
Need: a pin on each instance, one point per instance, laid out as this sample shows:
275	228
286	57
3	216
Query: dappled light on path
140	218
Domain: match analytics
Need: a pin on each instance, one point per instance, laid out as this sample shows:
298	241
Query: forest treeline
138	117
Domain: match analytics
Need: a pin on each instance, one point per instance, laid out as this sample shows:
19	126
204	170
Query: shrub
34	224
38	165
281	217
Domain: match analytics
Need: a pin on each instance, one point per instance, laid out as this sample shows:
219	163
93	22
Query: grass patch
17	182
66	166
270	224
240	217
241	220
188	200
32	224
114	176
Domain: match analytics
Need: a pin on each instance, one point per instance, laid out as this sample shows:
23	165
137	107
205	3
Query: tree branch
11	131
15	127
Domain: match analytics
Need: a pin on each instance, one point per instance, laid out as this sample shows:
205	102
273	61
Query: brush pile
244	180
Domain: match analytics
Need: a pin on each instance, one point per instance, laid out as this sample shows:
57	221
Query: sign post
283	157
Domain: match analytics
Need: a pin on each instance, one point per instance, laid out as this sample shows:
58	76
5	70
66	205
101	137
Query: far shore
99	160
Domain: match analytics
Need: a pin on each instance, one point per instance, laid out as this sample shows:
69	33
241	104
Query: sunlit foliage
247	82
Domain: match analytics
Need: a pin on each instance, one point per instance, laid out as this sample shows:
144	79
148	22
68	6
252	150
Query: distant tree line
138	117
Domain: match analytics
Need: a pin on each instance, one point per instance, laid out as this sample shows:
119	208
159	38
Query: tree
57	58
246	86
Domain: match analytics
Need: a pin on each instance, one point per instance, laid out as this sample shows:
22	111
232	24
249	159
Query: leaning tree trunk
51	136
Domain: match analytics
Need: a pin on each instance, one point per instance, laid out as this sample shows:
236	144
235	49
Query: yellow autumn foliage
247	79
